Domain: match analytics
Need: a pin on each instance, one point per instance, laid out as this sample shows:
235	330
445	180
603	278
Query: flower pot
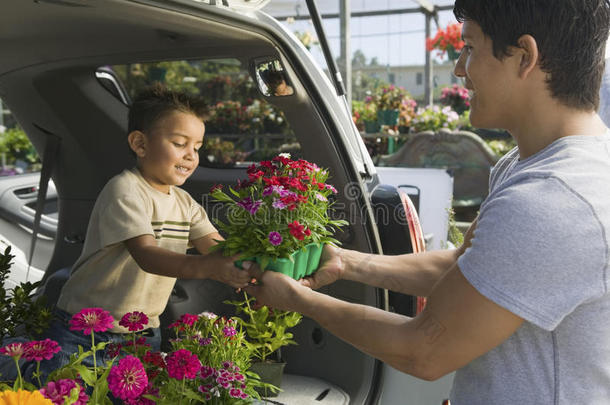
271	373
371	127
304	262
387	117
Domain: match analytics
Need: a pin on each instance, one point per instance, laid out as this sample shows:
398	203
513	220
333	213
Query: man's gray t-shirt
541	251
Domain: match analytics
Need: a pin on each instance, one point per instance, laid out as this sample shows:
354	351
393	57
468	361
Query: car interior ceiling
51	85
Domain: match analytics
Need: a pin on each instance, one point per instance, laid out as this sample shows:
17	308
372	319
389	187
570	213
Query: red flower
134	321
296	230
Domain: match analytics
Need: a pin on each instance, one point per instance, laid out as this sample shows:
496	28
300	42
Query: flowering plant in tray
282	207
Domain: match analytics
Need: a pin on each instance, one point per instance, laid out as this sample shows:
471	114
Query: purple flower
275	238
249	205
205	341
321	197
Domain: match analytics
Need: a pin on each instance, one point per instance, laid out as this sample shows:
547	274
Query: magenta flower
235	392
331	188
207	371
205	341
229	331
128	379
134	321
59	391
275	238
39	350
92	320
185	319
14	350
141	400
182	364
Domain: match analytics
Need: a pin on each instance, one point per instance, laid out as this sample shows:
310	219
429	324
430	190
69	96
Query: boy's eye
180	145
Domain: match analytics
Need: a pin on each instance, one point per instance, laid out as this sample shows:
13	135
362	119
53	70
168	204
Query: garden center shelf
301	390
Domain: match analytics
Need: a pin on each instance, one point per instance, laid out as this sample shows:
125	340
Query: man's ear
528	53
137	142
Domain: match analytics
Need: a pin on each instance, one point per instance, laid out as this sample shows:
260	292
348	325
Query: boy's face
170	150
489	79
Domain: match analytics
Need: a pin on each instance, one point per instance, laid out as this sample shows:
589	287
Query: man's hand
277	290
331	269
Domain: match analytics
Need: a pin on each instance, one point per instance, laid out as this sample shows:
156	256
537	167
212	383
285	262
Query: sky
395	40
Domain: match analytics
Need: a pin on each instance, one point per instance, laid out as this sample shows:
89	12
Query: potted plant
456	97
266	333
279	216
448	40
433	118
369	117
388	100
407	111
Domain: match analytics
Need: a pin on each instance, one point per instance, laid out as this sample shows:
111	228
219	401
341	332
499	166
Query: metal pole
345	58
428	77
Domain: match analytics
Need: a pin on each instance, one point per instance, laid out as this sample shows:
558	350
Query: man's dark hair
155	102
571	37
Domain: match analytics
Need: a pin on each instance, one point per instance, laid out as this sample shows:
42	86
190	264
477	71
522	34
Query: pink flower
91	320
14	350
134	321
182	364
59	391
207	371
128	379
150	390
235	392
275	238
41	350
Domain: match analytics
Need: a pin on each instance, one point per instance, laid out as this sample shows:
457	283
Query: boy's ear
528	50
137	142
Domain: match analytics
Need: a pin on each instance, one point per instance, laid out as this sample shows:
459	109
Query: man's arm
154	259
458	324
413	274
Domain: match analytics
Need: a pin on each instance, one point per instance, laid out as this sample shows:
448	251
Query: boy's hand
222	268
331	269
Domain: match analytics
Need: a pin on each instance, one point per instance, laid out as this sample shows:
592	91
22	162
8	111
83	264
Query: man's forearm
413	274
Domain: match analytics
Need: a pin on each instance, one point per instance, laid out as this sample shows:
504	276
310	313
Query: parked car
67	71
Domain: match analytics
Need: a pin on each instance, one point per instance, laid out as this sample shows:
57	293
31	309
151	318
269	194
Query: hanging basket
452	53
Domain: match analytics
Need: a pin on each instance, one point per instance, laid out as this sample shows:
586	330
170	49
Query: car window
243	126
17	154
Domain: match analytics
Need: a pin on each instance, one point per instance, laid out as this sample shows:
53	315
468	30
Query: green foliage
501	146
16	145
455	235
18	307
266	328
434	118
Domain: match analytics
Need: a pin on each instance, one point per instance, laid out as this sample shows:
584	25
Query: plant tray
301	263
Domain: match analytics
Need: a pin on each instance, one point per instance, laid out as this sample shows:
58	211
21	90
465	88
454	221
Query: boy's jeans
69	340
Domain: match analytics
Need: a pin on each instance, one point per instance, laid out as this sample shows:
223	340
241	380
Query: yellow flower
23	397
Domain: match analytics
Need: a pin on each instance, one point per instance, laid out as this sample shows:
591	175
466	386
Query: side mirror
271	78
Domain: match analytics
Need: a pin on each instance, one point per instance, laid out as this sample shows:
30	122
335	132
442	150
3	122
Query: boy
522	309
141	226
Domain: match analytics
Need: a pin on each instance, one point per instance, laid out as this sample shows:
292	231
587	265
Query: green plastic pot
304	262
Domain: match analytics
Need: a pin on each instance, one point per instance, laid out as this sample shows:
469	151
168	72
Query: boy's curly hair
155	102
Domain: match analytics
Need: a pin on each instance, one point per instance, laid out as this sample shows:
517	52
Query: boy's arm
204	243
154	259
413	274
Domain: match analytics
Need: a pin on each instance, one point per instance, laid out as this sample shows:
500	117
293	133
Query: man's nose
459	70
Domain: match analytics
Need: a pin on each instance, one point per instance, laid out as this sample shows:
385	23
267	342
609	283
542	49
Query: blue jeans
69	340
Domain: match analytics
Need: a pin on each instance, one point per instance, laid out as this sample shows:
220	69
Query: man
522	310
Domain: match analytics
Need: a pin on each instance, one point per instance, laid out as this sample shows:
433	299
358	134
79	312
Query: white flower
284	155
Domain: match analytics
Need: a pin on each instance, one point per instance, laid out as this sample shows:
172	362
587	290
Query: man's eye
180	145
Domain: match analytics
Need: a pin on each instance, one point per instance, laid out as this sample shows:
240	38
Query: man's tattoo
431	327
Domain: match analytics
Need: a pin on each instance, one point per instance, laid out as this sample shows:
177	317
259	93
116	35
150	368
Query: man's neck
546	121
